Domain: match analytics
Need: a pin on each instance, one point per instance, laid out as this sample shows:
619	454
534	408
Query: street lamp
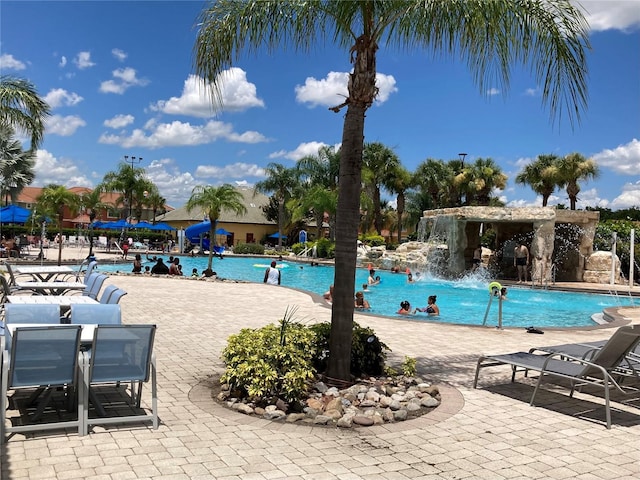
131	161
462	155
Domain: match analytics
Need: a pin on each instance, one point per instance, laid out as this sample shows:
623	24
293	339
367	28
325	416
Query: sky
120	79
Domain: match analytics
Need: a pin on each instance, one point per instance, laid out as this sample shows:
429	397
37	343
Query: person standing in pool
405	308
521	261
431	308
272	274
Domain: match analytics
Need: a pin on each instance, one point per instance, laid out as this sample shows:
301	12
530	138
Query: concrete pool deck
485	433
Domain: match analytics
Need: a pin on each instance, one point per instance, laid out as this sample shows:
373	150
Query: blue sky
120	79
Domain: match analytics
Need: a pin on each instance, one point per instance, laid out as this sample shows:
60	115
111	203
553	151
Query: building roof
253	204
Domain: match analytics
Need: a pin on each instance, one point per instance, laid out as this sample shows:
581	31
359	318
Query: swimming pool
462	301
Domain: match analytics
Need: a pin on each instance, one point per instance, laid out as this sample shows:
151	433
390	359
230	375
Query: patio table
51	288
62	300
86	332
43	273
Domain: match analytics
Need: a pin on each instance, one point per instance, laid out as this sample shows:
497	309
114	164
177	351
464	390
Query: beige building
251	227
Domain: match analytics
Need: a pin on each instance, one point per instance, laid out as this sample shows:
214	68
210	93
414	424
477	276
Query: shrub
249	249
275	360
297	248
324	248
373	240
368	353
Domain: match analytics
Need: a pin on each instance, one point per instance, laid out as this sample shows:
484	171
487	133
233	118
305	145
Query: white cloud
237	95
611	14
630	196
173	184
332	90
302	150
533	92
60	171
125	78
64	126
83	60
182	134
493	91
119	54
234	170
119	121
63	62
7	62
59	97
624	159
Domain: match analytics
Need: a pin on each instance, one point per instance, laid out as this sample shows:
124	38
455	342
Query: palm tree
540	176
16	165
52	202
435	177
481	178
129	181
378	163
573	168
91	201
212	201
155	202
398	182
550	38
280	181
22	108
318	187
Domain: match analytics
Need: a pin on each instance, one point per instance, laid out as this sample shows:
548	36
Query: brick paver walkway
488	433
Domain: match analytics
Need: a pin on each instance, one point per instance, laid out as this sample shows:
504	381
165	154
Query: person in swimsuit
360	302
521	261
431	308
405	308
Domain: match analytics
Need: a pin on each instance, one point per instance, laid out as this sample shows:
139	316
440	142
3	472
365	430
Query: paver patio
488	433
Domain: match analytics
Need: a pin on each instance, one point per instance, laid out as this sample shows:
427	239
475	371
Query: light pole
462	156
131	161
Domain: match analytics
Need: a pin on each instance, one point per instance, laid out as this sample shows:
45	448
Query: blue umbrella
14	214
162	226
120	224
146	225
277	235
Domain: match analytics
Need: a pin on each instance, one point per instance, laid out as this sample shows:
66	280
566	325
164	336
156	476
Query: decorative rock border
451	402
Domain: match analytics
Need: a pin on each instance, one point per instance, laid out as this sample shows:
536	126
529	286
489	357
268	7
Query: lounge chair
587	350
601	370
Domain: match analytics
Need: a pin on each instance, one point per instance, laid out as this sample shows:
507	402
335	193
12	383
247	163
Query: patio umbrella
162	226
84	218
120	224
14	214
146	225
277	235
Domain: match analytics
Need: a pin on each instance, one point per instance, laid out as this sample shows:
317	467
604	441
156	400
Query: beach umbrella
146	225
162	226
14	214
120	224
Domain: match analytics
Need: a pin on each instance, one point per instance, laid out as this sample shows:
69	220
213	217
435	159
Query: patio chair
84	270
94	284
112	295
42	358
602	370
99	314
121	353
32	313
587	350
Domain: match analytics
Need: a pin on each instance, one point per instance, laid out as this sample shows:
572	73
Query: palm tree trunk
400	208
347	220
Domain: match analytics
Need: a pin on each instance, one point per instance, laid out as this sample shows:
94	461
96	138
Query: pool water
462	301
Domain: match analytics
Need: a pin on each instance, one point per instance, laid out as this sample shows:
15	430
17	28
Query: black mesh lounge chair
602	369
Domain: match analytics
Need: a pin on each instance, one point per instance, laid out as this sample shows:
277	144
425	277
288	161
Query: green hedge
249	249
